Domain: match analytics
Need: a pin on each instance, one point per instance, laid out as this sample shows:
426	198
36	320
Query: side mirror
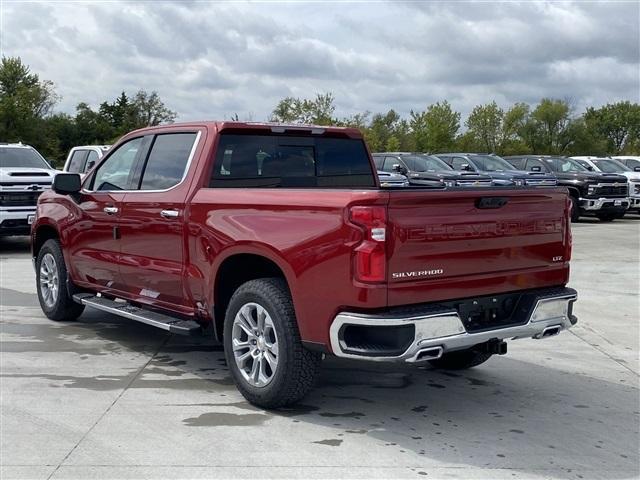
399	168
636	169
590	168
466	167
536	168
66	183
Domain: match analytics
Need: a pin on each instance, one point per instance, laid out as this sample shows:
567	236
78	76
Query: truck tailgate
460	244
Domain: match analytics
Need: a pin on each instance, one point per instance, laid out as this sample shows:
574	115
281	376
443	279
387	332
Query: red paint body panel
173	263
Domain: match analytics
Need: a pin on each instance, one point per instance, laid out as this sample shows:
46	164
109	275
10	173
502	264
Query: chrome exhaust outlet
551	331
426	354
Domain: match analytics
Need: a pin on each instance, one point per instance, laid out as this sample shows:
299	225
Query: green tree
393	144
513	123
617	123
435	129
549	126
316	111
25	100
485	123
149	110
381	129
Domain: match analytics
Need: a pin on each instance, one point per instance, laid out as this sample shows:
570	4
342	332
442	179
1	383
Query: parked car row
602	187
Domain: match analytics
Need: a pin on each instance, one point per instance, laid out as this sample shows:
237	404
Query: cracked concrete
104	397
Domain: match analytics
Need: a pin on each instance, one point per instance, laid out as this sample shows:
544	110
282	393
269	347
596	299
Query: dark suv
427	170
604	195
501	171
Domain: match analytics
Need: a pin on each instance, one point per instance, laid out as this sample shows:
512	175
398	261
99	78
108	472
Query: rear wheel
51	278
461	359
265	355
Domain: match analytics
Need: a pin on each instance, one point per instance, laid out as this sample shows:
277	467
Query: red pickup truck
280	241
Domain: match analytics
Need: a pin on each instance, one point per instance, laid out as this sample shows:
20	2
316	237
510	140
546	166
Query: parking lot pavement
105	397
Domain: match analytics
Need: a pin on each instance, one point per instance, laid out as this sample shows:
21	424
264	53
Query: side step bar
124	309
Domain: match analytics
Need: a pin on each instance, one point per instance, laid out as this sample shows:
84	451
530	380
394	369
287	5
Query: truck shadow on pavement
508	414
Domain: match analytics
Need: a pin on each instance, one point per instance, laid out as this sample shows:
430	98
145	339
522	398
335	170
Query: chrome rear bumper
438	332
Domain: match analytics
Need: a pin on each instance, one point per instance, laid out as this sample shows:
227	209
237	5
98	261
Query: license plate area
617	203
30	219
494	311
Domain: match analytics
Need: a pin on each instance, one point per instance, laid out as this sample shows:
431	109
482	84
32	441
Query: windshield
564	165
21	157
611	166
491	163
425	163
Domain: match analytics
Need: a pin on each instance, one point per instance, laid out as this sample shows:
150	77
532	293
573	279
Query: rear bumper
594	204
437	331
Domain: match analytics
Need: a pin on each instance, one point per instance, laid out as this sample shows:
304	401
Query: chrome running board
124	309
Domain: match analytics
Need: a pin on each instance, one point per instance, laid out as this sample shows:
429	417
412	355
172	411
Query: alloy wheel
49	280
255	344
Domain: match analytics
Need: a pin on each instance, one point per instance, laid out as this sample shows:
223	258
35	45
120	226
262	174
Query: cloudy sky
210	60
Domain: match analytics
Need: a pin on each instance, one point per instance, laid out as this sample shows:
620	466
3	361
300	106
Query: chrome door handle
110	210
169	213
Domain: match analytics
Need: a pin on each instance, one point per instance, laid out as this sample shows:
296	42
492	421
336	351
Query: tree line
550	127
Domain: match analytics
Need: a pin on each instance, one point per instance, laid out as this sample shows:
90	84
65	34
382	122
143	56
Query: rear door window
78	161
167	161
518	163
290	161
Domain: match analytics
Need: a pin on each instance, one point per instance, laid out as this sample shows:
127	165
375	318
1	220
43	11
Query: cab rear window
271	161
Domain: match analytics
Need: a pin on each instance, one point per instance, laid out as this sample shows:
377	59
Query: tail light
370	256
568	238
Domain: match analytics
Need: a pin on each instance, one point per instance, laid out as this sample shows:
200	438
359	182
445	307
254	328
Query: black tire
297	368
461	359
575	210
62	307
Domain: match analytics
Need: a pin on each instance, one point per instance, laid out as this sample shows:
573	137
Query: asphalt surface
104	397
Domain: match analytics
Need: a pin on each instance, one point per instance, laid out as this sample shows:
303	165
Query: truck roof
272	127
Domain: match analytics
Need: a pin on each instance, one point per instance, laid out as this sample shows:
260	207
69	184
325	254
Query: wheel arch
43	233
234	270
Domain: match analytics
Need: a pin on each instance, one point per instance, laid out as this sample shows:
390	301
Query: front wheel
461	359
575	209
51	279
265	355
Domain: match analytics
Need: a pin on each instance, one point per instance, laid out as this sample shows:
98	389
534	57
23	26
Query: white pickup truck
24	175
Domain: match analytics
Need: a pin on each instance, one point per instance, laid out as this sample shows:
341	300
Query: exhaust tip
550	331
431	353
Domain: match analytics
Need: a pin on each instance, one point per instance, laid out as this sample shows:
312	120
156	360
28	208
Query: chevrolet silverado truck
280	242
611	165
501	171
427	171
603	195
24	175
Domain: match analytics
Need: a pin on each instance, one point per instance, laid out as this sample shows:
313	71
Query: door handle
110	210
169	213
